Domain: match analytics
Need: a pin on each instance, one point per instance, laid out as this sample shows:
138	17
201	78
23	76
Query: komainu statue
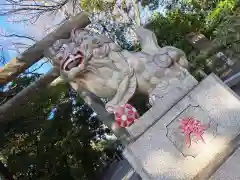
95	63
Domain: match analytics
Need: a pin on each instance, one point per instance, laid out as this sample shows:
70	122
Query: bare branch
18	36
2	57
29	11
33	73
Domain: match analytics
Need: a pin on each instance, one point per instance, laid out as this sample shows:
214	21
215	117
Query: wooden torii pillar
33	54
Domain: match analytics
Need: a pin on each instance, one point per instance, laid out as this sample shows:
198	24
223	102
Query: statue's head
72	55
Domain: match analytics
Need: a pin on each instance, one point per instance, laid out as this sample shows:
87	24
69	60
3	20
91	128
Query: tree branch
35	69
19	36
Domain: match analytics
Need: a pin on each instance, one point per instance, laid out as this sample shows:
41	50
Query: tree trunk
35	52
137	13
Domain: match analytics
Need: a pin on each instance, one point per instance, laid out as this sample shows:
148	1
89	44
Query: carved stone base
165	98
161	152
229	170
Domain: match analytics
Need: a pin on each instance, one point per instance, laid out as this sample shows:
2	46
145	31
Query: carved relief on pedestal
191	131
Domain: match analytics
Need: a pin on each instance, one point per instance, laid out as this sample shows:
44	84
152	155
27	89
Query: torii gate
33	54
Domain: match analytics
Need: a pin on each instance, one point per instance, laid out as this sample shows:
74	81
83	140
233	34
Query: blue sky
8	54
2	21
18	29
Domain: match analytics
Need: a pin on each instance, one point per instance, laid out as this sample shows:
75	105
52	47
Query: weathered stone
95	63
177	137
160	157
229	170
164	100
199	41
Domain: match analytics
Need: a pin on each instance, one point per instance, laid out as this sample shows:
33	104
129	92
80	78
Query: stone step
230	169
236	89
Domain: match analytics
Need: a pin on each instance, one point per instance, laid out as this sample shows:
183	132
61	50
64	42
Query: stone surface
164	100
95	63
230	169
155	155
177	137
136	164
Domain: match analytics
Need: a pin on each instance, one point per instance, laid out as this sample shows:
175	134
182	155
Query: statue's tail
177	55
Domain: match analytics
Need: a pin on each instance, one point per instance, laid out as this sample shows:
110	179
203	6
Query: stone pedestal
160	151
166	95
230	169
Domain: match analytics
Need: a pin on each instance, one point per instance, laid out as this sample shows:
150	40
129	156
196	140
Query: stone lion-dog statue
95	63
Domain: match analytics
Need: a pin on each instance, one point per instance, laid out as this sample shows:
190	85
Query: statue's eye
62	49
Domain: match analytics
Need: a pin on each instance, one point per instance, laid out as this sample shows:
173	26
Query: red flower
126	115
193	127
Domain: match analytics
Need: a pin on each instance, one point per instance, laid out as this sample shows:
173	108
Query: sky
8	27
9	53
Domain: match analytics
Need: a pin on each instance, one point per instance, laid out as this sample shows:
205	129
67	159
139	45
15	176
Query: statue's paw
110	109
152	99
158	92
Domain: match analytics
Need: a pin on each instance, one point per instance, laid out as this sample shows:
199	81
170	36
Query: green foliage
172	28
34	147
228	32
212	18
152	4
99	5
199	5
223	8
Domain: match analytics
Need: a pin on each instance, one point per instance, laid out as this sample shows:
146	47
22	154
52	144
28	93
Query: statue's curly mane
91	42
102	67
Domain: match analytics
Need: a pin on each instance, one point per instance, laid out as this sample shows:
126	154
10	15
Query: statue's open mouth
73	61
